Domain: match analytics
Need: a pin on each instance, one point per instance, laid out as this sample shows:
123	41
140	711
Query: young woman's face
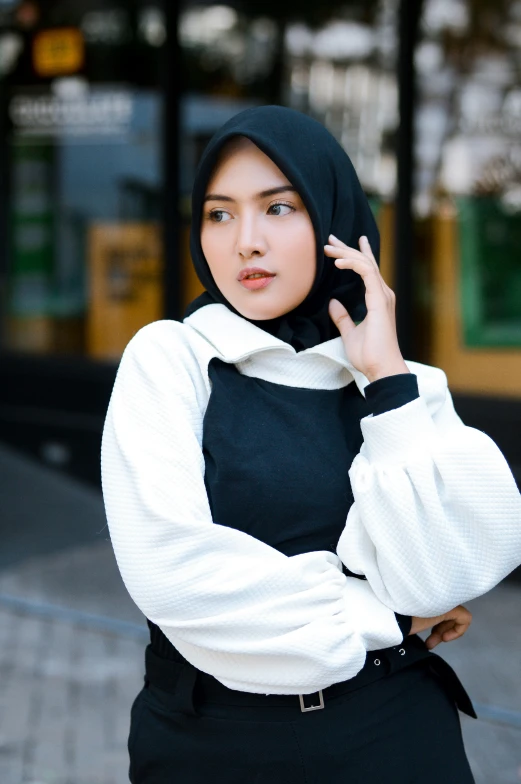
254	220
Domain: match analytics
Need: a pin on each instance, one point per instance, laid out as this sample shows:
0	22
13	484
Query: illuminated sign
74	112
58	52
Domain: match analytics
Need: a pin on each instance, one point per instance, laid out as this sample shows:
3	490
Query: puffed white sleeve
436	518
236	608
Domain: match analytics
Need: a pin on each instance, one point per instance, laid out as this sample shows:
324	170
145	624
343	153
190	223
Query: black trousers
401	729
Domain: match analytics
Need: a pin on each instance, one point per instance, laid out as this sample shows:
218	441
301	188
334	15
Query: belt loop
185	689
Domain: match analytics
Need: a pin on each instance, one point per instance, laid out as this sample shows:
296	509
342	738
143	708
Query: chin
257	311
258	314
262	305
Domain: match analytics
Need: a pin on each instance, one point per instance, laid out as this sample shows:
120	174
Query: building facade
105	108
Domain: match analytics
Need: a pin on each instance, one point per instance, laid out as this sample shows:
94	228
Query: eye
215	216
279	204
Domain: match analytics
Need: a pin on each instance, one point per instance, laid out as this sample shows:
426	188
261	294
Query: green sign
490	253
32	230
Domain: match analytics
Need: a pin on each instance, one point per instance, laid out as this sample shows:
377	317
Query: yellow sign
58	52
125	284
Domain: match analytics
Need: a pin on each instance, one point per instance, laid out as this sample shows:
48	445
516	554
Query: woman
289	500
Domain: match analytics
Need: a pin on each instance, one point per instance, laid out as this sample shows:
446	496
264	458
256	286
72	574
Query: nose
250	239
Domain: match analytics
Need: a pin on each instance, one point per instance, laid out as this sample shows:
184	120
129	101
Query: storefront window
83	107
333	61
343	73
83	110
336	63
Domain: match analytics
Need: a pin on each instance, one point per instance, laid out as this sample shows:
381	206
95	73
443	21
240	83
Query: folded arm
235	607
437	514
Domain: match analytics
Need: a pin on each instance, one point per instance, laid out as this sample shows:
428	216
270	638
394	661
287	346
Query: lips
253	278
248	271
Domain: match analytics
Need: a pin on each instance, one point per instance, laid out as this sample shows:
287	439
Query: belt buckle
311	707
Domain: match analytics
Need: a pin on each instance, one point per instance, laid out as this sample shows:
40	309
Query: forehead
239	156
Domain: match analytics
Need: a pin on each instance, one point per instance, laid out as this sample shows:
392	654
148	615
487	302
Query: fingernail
332	235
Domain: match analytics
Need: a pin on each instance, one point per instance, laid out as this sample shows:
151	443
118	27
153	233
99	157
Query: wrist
393	370
423	624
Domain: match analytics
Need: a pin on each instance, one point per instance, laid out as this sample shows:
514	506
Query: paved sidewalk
65	702
72	643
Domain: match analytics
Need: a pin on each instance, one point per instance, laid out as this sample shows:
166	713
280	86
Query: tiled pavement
65	701
72	641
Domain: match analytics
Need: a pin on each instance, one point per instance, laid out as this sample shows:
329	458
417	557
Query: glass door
84	117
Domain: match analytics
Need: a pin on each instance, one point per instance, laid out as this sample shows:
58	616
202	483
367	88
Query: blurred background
105	108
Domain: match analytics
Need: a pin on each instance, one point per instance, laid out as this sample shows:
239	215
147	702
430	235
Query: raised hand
372	346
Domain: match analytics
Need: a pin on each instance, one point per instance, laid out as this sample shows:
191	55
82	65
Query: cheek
207	245
300	252
213	252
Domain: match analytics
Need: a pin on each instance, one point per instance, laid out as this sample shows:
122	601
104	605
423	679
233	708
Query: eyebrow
261	195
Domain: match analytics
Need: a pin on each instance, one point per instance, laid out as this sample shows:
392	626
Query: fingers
460	617
343	253
438	633
362	262
340	249
451	628
340	317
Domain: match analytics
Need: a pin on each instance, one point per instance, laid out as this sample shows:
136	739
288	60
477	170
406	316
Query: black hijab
321	171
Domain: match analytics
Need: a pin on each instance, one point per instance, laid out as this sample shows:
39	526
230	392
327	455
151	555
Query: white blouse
436	519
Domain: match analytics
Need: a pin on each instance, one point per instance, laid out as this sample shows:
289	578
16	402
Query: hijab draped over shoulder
321	171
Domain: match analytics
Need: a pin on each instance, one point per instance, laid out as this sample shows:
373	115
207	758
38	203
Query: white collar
238	340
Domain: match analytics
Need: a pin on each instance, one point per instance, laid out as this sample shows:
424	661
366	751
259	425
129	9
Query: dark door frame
409	15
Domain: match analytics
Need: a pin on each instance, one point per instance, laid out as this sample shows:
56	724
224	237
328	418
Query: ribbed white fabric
436	519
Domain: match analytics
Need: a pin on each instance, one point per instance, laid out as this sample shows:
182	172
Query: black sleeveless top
277	459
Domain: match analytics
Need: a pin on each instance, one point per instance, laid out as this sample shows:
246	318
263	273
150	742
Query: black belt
178	676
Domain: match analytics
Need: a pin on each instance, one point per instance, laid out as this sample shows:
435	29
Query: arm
437	514
236	608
